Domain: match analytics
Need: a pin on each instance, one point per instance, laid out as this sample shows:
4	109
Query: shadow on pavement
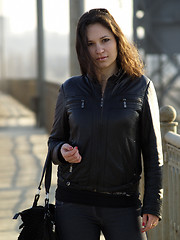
23	149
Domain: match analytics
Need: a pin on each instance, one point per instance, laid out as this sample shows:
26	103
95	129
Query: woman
104	120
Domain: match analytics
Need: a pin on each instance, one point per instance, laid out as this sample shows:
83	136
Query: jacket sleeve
60	130
152	154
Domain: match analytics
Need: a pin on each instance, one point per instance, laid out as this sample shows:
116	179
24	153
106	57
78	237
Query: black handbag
39	221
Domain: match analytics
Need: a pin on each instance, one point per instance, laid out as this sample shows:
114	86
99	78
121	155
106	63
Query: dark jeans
83	222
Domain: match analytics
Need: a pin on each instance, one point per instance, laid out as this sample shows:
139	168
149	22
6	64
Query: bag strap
47	172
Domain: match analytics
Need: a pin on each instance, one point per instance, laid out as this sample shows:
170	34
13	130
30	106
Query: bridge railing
173	157
169	227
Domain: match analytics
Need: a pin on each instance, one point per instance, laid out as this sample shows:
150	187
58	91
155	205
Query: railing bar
178	205
176	200
170	199
172	138
173	201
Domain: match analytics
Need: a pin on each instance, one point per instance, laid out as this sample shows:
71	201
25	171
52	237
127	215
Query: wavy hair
128	58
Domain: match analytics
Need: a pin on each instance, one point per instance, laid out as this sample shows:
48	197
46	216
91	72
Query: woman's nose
99	48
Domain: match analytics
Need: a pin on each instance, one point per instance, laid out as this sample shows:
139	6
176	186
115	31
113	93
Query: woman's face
102	47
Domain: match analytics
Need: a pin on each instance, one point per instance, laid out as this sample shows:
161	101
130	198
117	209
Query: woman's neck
104	76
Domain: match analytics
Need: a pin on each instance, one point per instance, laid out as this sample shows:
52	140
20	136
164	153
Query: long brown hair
128	58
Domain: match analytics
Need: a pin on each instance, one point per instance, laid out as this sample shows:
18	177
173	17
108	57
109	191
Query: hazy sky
22	14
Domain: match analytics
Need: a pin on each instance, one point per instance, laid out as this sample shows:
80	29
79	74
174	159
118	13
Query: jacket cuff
149	210
57	157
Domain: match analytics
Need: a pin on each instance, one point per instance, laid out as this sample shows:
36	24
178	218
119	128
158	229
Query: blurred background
19	34
37	44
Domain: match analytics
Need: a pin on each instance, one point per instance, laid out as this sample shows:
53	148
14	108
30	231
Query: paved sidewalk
23	149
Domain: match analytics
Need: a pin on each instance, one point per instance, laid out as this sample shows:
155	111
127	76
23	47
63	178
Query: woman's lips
101	58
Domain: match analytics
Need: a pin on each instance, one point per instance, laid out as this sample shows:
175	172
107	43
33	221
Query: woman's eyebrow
105	36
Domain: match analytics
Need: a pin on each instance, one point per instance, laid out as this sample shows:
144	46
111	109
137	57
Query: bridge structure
156	25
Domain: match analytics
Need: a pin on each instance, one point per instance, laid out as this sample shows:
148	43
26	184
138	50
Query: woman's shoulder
73	80
72	84
144	82
138	85
144	79
147	85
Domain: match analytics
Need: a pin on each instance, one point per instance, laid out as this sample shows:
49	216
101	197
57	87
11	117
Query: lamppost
76	9
40	64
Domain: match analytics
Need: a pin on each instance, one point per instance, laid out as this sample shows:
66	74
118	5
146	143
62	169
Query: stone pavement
23	149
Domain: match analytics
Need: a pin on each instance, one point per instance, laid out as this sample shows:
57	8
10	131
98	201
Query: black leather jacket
111	132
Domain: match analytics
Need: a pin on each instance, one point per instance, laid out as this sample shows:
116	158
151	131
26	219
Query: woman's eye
106	39
90	44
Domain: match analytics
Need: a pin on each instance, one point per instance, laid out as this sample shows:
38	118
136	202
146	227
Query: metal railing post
40	64
76	10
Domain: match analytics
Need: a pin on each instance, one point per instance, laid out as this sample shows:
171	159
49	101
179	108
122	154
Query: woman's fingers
66	147
74	157
149	221
70	154
144	221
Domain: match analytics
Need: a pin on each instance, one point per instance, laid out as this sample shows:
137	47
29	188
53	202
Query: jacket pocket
66	170
76	103
132	103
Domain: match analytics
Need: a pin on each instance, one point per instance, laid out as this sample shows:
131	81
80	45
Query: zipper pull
102	102
71	168
125	103
82	103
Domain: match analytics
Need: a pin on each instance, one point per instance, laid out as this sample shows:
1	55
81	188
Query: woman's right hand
70	154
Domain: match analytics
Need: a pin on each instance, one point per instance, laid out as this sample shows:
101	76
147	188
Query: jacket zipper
102	101
82	106
100	119
124	103
71	168
101	127
82	103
